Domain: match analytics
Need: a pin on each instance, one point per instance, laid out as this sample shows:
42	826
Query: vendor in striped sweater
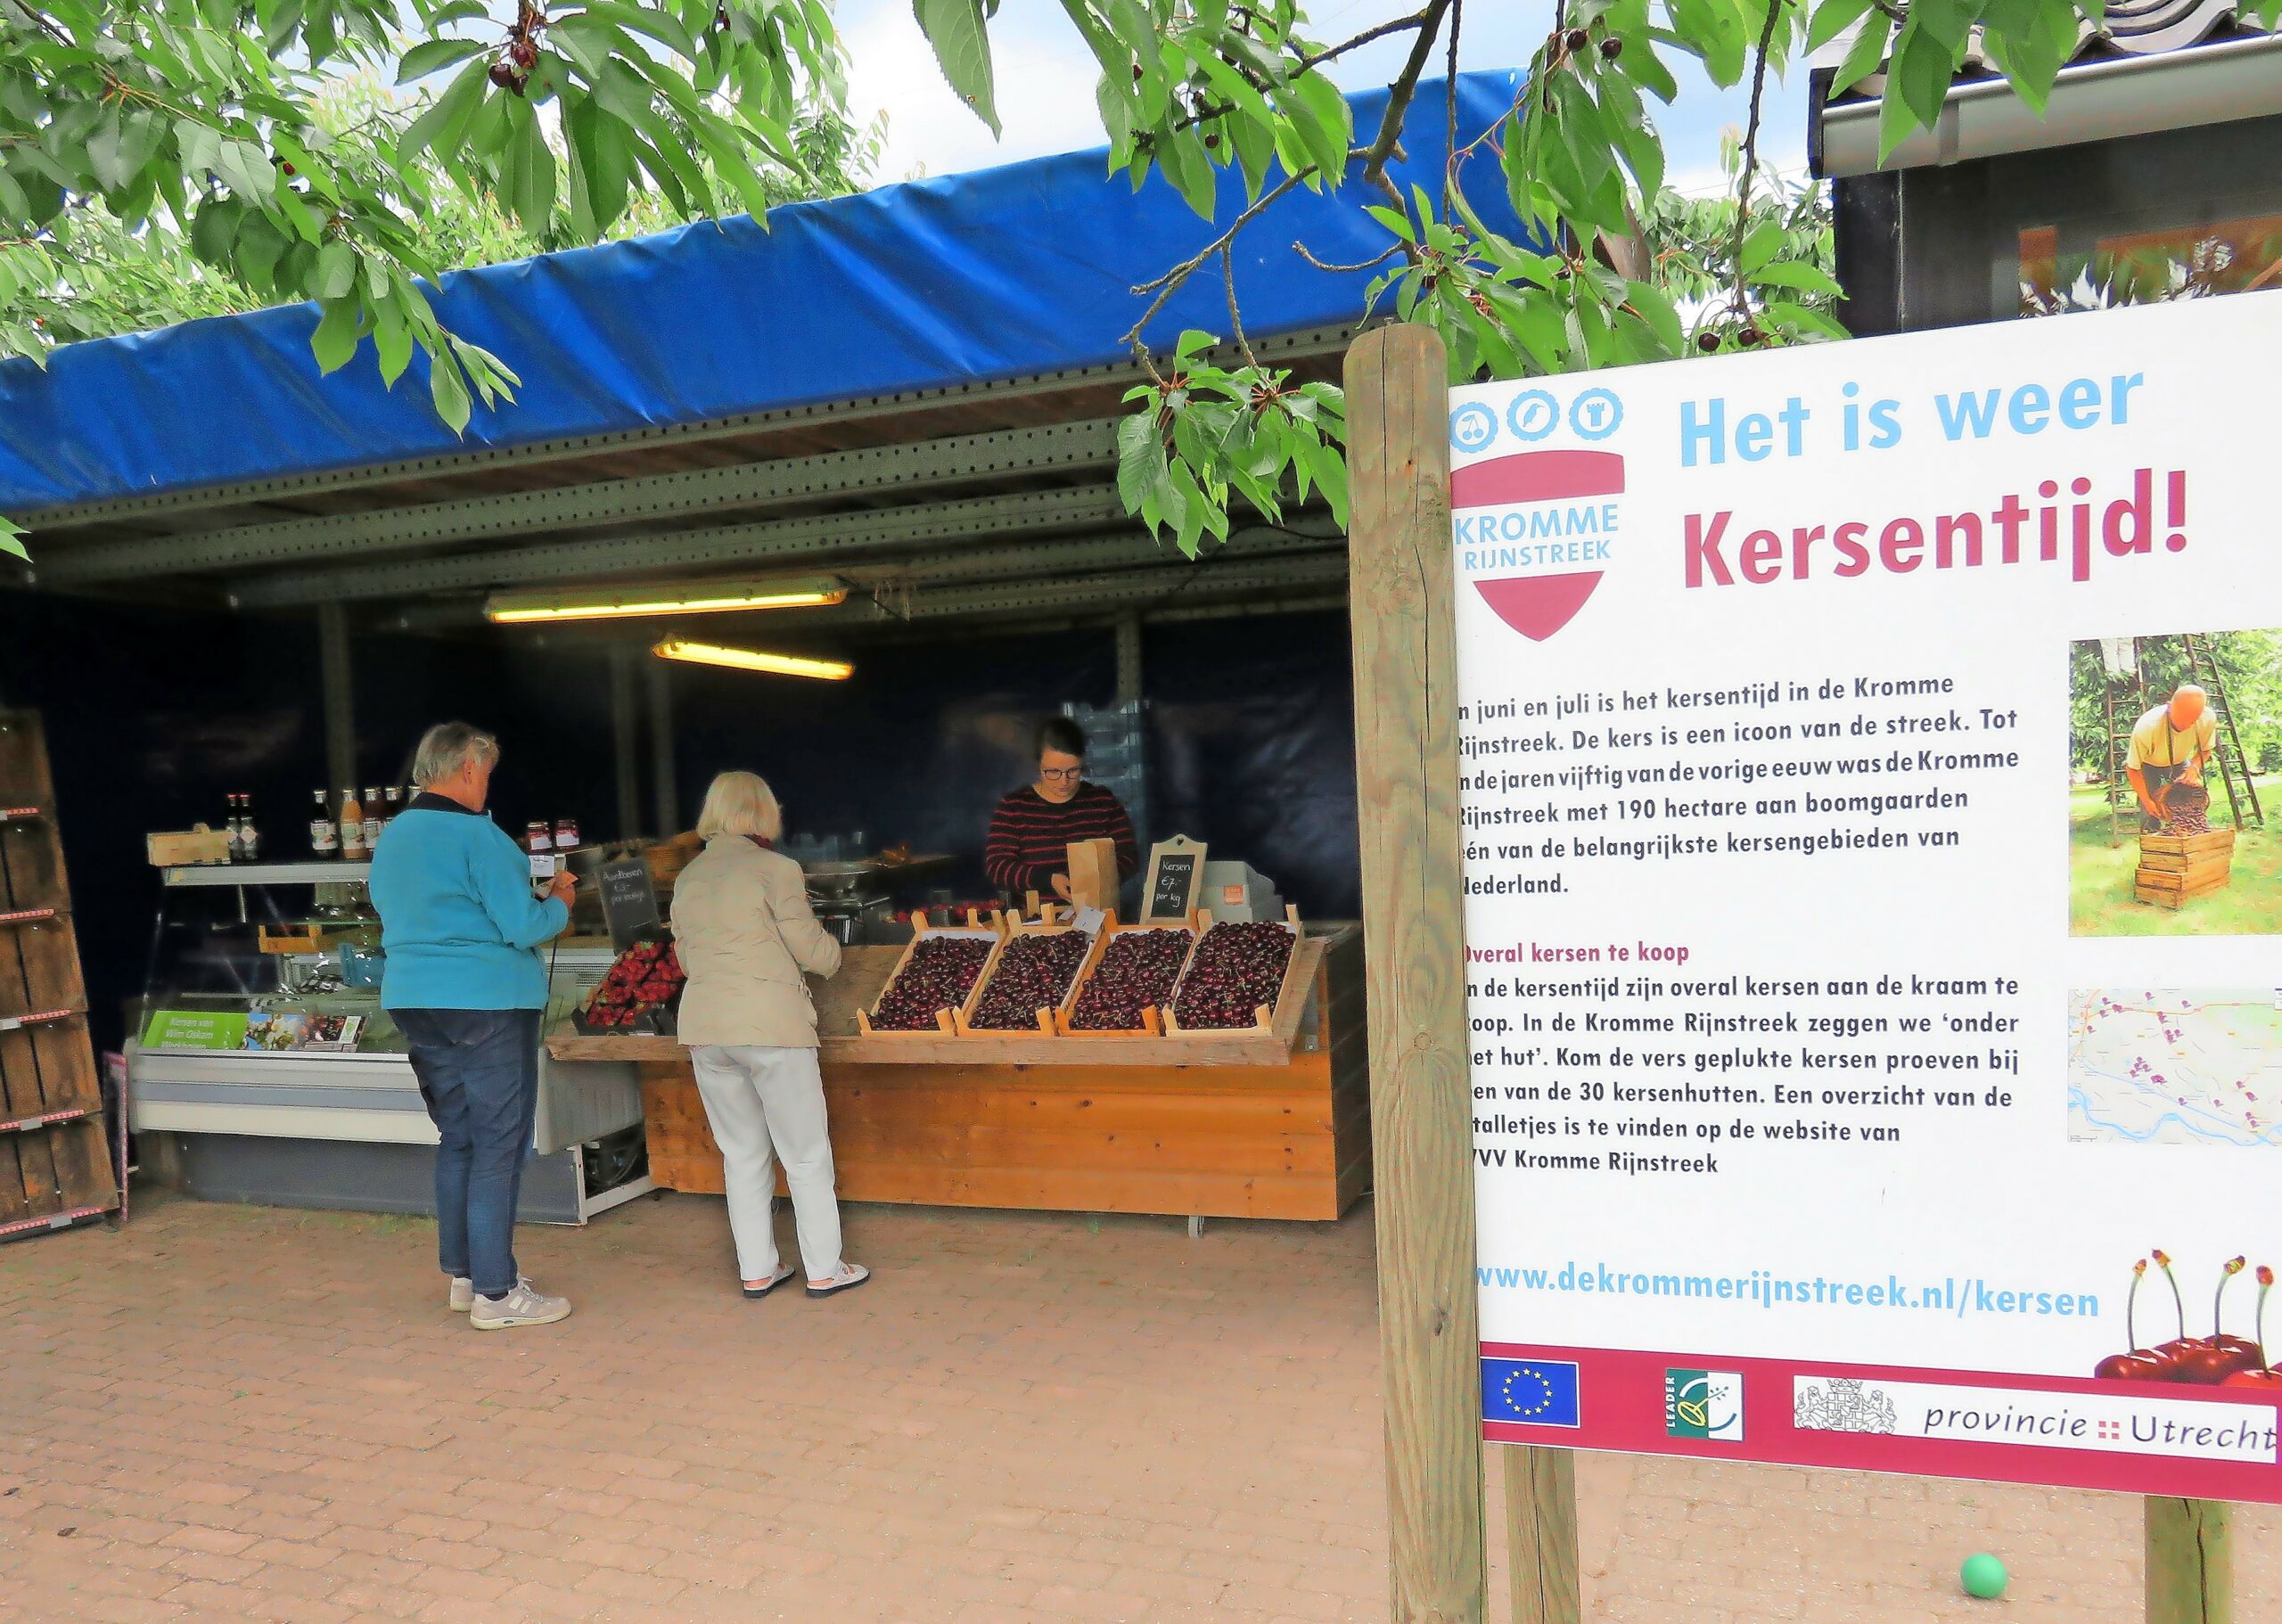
1030	832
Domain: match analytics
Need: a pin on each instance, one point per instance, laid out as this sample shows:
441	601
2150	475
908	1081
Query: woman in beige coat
746	936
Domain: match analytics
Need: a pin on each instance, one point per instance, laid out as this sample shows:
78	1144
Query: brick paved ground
242	1415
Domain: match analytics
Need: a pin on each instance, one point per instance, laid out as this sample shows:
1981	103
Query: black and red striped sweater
1031	835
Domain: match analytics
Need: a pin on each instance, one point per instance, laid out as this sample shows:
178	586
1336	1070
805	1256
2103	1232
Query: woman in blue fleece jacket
466	986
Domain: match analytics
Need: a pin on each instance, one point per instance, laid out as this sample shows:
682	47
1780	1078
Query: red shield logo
1537	606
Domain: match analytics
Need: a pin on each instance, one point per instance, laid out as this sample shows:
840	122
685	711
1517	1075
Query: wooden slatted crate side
13	1205
20	1095
65	1056
37	1184
25	780
81	1153
31	865
49	951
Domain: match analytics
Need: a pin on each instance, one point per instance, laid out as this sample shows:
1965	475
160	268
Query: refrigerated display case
260	1044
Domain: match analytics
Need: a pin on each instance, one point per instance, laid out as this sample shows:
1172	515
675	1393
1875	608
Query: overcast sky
1046	86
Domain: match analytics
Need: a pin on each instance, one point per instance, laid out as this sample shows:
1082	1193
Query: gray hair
447	747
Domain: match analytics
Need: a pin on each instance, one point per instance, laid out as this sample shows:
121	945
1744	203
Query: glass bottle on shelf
234	832
352	827
248	837
566	835
325	837
374	821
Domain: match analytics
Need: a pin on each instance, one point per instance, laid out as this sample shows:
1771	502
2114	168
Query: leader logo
1704	1405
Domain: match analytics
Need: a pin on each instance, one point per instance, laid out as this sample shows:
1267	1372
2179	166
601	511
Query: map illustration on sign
2166	1067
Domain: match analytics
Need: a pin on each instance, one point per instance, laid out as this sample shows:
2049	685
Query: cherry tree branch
1751	153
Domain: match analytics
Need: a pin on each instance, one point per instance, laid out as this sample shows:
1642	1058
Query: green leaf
1393	219
1797	273
1325	122
1186	163
1764	241
1233	86
336	271
335	340
1138	455
1715	29
1255	145
215	229
656	21
247	169
1833	18
444	125
259	246
12	539
1863	57
107	152
431	55
955	28
449	393
529	180
1644	68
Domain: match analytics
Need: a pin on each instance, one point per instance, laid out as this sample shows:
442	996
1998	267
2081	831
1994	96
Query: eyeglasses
1067	775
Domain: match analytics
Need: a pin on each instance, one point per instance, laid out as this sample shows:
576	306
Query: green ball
1982	1576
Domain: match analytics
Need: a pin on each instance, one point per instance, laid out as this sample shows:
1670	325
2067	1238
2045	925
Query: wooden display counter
1247	1126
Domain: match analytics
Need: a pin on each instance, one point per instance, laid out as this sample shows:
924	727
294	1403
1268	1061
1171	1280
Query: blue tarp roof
1001	272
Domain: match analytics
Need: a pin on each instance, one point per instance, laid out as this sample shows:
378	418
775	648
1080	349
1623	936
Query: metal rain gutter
2104	101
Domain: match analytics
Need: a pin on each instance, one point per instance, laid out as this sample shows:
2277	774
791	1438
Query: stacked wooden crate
55	1163
2174	869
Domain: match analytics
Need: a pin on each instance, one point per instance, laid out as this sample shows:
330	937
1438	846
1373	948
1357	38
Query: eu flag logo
1534	1392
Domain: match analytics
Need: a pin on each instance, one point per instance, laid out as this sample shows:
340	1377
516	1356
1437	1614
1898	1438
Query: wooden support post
2190	1561
336	678
1406	791
624	739
661	750
1541	1536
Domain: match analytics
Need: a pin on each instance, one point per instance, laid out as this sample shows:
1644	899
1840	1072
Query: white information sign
1873	844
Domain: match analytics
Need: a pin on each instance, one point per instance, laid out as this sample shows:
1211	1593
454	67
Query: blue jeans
479	1074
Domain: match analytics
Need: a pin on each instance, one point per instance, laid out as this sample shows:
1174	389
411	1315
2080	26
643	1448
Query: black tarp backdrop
154	717
1251	742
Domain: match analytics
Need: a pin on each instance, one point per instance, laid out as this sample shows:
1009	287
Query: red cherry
2254	1378
2140	1367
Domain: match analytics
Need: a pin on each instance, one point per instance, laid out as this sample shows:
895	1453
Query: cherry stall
1179	1064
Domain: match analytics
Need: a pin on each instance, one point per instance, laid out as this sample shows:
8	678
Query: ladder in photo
2234	771
2130	692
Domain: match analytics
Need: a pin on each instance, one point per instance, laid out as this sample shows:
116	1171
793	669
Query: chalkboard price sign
1176	869
629	900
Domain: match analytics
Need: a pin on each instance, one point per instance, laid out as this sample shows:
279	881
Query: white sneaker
462	1296
524	1306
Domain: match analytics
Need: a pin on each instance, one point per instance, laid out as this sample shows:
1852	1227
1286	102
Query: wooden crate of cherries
1030	981
1131	984
932	982
1235	978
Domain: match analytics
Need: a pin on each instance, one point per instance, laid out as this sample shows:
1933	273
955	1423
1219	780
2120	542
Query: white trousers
767	1105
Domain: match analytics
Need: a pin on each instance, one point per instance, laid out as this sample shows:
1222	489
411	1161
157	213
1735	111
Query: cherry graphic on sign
1516	489
2141	1363
2264	1375
2219	1356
